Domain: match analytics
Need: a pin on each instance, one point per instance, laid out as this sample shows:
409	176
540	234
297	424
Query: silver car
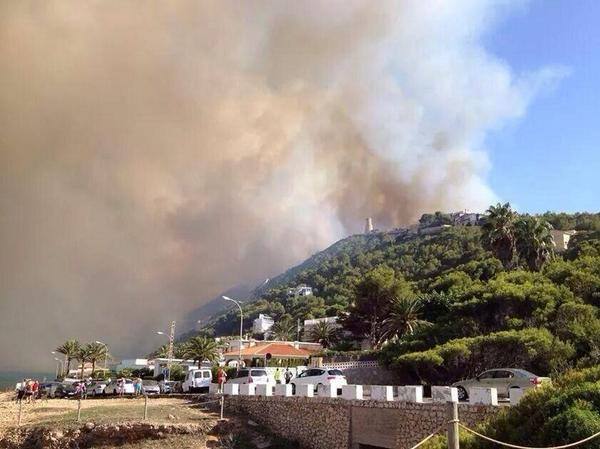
96	387
503	379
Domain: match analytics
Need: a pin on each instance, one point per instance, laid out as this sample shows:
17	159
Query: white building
262	324
134	364
561	239
310	324
301	290
466	218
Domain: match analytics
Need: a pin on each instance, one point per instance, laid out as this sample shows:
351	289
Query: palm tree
96	352
284	330
324	333
404	317
534	241
84	355
201	348
499	233
69	348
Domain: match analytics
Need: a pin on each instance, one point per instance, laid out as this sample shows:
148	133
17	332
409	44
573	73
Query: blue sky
550	159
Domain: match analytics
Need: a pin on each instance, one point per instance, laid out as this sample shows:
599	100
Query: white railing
352	364
382	393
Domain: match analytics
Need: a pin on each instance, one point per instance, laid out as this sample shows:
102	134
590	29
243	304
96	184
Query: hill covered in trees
453	302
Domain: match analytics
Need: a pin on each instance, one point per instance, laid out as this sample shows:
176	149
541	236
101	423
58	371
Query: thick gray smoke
153	154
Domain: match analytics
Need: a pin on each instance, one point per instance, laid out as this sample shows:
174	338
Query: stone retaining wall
326	423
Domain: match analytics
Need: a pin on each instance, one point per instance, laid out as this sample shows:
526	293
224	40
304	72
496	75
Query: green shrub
533	349
562	413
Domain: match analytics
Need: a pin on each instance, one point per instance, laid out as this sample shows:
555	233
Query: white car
112	387
197	380
252	376
503	380
150	387
319	377
96	387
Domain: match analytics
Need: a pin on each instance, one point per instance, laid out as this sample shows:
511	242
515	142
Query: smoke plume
154	154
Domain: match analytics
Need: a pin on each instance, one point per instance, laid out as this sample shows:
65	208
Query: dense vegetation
436	304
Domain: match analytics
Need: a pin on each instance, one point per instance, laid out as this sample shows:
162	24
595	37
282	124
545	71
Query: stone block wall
326	423
316	423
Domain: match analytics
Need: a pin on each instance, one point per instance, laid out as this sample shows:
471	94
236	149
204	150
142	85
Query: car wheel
462	394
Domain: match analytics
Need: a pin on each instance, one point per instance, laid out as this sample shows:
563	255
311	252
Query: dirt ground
64	411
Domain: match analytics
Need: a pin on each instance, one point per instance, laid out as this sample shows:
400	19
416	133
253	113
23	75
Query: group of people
28	390
287	376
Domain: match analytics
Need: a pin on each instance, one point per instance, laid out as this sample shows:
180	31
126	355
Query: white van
197	380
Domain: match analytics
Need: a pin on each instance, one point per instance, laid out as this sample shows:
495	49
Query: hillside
466	293
334	272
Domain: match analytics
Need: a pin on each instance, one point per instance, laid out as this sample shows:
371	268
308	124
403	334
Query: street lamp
171	337
237	303
57	365
105	354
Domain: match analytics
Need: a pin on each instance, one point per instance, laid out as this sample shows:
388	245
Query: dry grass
64	411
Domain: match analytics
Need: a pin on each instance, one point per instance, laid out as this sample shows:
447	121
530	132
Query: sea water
8	379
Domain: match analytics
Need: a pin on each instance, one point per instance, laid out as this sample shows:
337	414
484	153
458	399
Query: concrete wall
325	423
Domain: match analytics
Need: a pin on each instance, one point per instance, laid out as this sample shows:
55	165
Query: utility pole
170	353
298	330
453	441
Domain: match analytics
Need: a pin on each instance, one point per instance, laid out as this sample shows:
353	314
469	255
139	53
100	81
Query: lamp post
237	303
105	354
171	337
58	361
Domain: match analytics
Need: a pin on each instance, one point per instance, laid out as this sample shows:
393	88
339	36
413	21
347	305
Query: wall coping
366	403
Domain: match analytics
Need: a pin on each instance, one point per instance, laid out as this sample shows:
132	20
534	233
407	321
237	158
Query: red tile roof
280	350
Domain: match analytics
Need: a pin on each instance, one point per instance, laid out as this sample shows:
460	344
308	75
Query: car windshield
335	372
242	373
258	372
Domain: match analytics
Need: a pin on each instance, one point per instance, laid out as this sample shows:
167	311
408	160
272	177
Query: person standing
120	386
277	376
138	386
221	378
288	375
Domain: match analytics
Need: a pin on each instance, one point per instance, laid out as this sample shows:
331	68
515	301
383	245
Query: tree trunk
68	366
93	367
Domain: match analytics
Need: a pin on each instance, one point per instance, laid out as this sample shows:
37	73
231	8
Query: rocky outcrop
90	434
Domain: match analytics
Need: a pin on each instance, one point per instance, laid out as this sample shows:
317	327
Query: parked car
503	379
197	380
150	387
111	388
170	386
96	387
252	375
49	389
319	377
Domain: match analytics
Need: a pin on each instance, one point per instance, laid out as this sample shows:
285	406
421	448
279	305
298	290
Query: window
334	372
501	374
198	374
258	372
206	374
242	373
487	375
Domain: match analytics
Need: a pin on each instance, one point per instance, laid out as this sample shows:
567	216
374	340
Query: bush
532	349
562	413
